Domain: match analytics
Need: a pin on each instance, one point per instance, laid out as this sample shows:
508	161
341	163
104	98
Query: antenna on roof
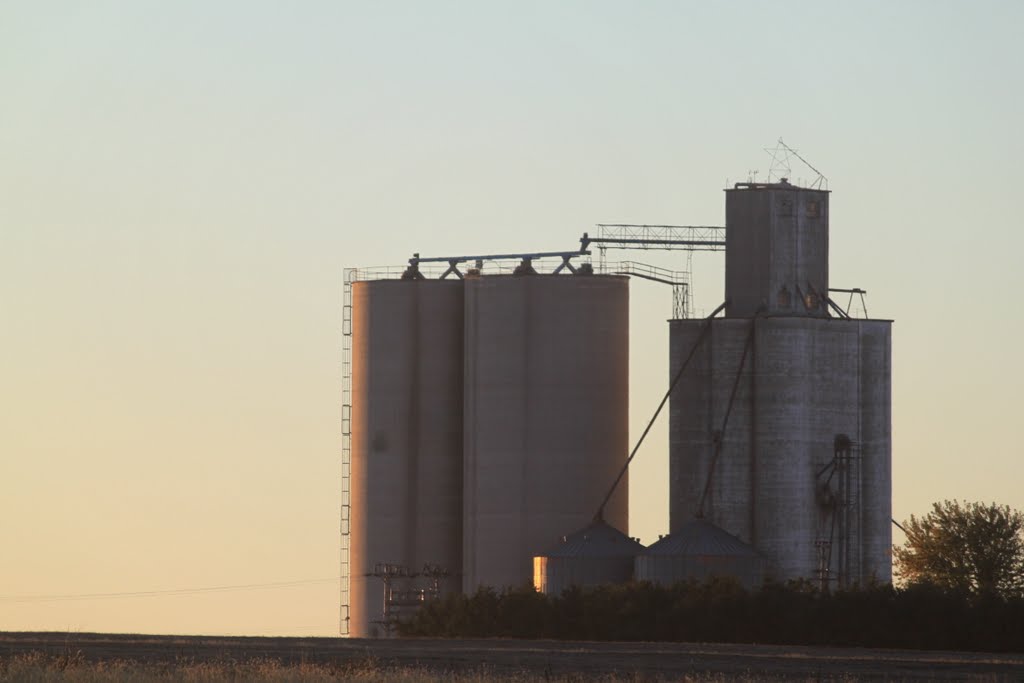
780	168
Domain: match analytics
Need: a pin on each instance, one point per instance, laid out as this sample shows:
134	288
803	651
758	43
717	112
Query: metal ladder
350	274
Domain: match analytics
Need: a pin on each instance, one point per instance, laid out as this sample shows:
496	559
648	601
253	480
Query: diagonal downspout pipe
599	517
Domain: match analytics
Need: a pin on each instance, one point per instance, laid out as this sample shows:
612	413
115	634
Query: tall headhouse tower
781	427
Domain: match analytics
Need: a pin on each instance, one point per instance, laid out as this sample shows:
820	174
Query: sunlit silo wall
545	417
805	381
596	555
406	471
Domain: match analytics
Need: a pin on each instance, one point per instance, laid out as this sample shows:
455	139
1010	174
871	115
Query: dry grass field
82	657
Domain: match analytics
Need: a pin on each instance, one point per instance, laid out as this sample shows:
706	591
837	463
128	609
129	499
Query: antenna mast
780	168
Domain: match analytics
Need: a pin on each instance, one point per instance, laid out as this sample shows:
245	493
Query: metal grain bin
700	550
545	418
596	555
406	436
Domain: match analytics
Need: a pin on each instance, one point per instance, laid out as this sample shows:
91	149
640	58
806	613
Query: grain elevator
485	418
780	429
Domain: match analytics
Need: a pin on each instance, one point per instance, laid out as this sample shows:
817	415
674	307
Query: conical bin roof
702	538
597	539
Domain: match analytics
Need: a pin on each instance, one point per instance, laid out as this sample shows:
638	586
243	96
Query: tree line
919	616
962	588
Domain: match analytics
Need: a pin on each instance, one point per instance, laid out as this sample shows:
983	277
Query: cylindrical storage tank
698	551
593	556
805	382
546	416
807	389
406	471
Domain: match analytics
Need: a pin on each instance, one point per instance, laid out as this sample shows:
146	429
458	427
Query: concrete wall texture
804	381
489	419
776	250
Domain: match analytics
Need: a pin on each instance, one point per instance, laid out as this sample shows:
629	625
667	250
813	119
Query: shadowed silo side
697	412
406	435
545	418
594	556
876	447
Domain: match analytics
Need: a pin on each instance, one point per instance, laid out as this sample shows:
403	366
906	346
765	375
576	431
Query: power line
158	593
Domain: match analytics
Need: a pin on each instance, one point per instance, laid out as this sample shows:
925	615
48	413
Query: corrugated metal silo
546	410
406	468
700	550
596	555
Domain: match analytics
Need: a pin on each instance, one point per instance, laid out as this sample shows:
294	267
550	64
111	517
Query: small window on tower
813	209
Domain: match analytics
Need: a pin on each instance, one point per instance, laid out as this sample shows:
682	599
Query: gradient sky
182	183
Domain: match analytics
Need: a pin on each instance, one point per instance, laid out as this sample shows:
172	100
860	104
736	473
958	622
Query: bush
720	610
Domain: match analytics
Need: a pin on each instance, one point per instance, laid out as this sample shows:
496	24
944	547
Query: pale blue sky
181	185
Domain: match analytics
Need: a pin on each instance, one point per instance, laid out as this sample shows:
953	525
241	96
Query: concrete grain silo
780	429
593	556
406	471
696	413
545	416
874	443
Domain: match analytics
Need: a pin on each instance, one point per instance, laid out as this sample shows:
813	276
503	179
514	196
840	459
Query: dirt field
658	661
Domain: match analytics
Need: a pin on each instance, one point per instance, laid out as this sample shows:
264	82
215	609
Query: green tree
970	547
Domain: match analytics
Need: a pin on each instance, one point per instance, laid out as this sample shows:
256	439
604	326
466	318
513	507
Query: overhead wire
165	592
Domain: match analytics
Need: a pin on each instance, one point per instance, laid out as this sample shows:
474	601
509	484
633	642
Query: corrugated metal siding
698	551
699	537
596	555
